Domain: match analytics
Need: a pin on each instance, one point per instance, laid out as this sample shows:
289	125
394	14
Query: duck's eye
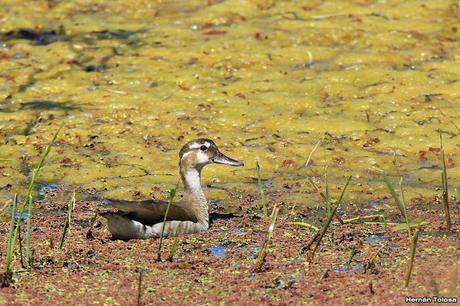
203	148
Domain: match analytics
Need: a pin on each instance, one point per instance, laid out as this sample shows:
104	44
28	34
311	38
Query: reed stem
10	244
172	194
445	191
261	190
329	220
68	220
412	257
263	251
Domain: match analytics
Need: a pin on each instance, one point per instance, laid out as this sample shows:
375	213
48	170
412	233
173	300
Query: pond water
133	81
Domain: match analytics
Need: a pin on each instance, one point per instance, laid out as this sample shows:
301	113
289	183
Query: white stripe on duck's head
200	152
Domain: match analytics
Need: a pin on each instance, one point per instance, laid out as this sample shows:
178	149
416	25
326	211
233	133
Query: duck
144	219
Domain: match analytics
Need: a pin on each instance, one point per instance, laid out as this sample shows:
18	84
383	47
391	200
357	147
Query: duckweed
132	81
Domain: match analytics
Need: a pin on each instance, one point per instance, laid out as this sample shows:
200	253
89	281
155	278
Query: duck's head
200	152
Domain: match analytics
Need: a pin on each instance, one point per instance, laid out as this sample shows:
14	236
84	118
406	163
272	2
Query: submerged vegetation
375	81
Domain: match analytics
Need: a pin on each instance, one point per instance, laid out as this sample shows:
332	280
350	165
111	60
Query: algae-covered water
132	81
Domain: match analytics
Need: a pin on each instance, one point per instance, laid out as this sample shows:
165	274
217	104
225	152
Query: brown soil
101	271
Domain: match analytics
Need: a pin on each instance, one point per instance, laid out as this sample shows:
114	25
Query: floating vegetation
376	81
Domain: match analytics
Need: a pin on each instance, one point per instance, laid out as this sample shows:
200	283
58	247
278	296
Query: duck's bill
225	160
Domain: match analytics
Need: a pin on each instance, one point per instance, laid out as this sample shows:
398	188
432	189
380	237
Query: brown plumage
144	219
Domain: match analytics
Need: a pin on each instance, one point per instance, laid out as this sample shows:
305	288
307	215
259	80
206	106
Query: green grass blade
393	194
403	202
28	228
400	202
48	149
329	219
35	173
172	194
10	244
326	191
412	257
339	201
173	249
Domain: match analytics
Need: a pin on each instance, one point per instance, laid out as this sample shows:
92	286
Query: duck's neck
194	197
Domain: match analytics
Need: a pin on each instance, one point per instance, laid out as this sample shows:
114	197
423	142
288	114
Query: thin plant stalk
370	263
403	201
10	244
28	197
173	250
400	203
377	254
261	190
311	153
329	220
89	233
351	255
21	253
263	251
412	257
325	199
445	192
326	190
304	224
310	243
139	288
363	218
68	220
172	194
28	228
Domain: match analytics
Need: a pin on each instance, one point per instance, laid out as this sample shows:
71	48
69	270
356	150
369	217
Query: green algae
133	82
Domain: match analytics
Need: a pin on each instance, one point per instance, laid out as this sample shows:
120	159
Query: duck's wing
149	212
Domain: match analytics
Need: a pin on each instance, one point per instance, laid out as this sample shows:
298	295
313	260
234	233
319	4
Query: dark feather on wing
149	212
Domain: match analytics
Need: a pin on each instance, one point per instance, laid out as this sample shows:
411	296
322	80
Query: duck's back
150	212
